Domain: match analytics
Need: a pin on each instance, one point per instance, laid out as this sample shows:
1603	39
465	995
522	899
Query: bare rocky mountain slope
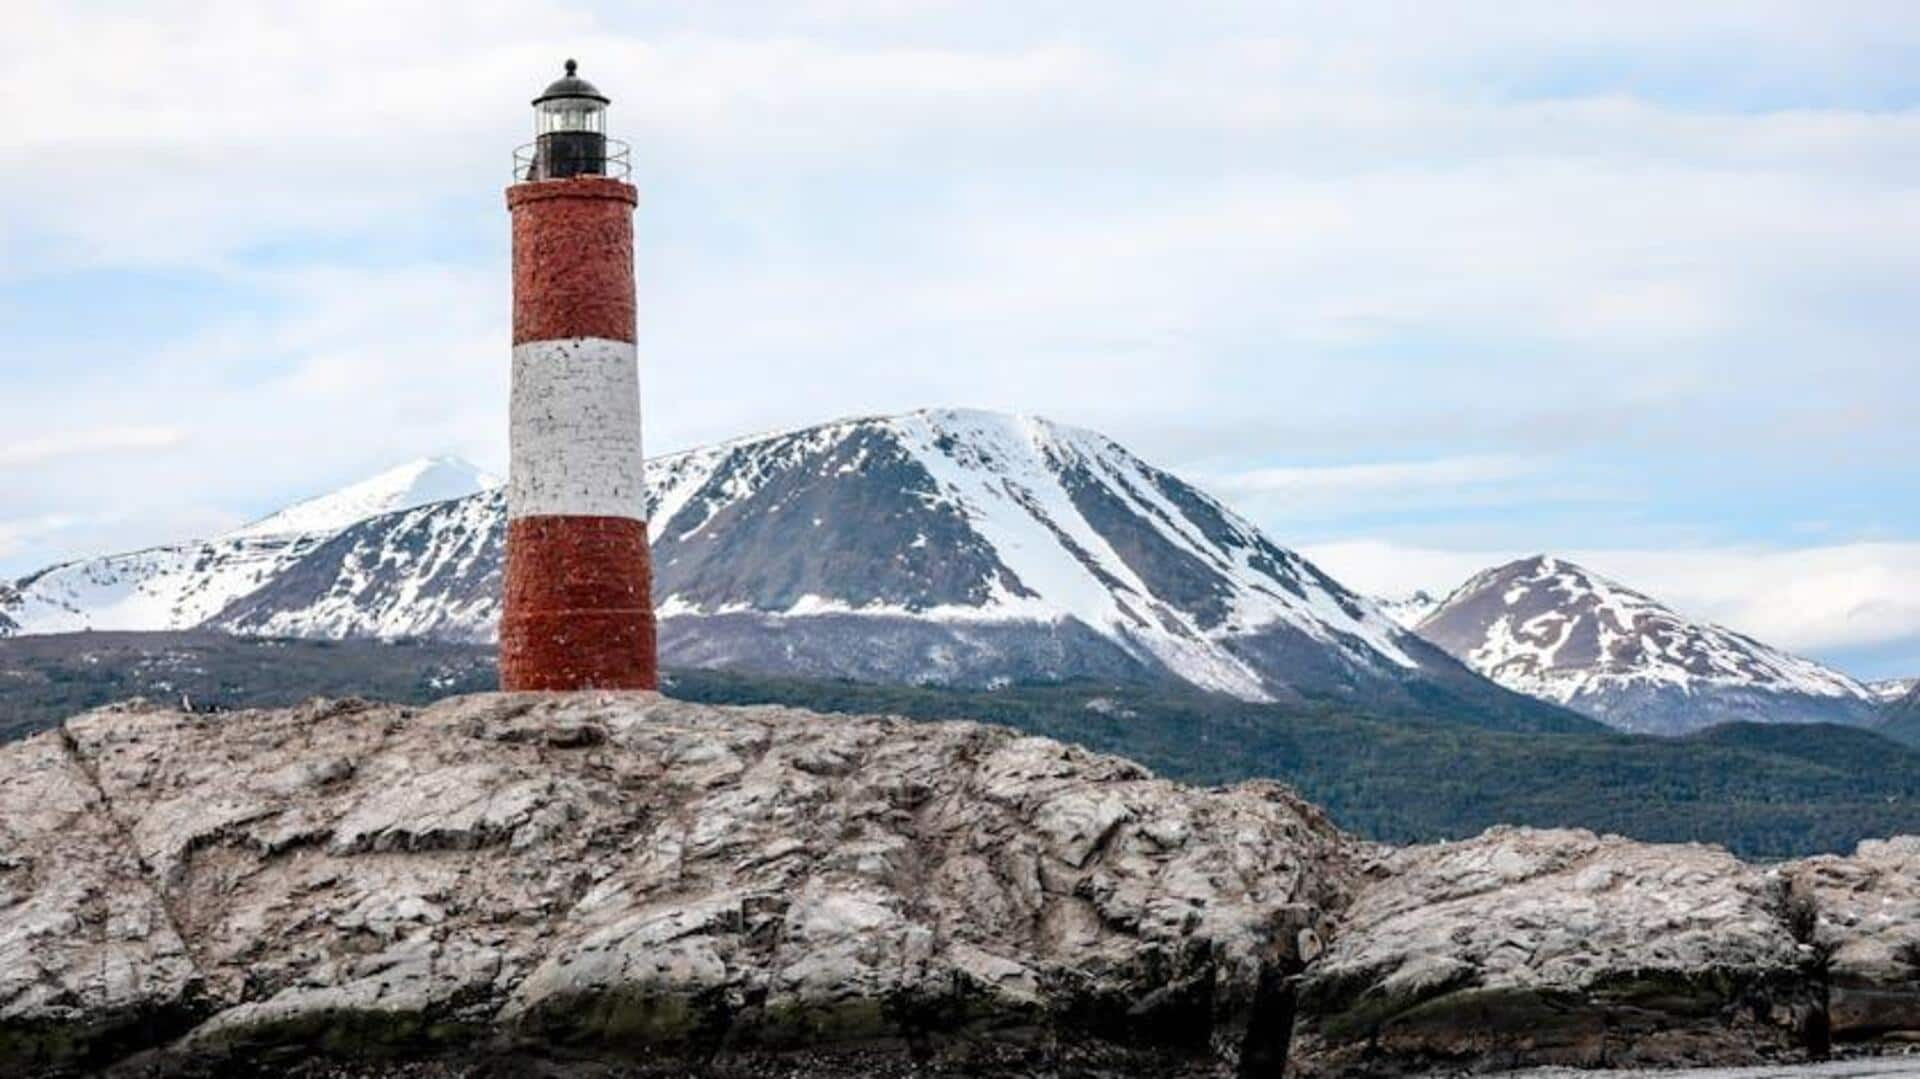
1557	631
569	881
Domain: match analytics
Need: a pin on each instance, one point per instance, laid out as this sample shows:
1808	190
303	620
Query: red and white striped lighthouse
579	604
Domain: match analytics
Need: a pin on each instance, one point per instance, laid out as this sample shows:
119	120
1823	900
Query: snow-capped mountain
1888	690
178	586
1551	629
172	587
416	483
942	546
432	571
1408	611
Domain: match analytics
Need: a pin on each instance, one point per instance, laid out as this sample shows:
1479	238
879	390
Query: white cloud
107	440
1388	476
17	533
1289	496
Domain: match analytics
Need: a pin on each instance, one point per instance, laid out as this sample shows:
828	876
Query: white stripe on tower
576	430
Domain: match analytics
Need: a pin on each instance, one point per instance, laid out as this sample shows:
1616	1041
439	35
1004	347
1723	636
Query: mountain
181	585
1889	690
416	483
1562	633
1902	722
170	587
1408	611
947	547
433	572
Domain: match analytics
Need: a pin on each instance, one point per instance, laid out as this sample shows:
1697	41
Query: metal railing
618	163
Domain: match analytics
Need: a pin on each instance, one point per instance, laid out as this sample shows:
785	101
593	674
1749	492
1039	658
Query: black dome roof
571	85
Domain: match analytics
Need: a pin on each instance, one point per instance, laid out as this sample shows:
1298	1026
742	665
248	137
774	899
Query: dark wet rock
1863	914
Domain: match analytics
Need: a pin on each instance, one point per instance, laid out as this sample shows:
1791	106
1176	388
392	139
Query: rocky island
629	884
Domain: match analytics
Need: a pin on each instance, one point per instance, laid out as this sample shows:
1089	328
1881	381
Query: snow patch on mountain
1888	690
416	483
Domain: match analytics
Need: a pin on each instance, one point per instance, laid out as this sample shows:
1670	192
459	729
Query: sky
1415	286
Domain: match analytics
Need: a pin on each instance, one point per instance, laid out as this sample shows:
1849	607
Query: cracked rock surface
629	875
631	885
1524	946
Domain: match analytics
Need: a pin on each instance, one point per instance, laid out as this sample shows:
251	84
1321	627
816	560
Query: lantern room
570	131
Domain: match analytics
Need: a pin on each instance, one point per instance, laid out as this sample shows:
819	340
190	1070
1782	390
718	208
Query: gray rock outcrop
646	886
629	875
1523	947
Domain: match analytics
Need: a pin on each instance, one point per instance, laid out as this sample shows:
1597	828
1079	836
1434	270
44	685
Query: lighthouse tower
579	606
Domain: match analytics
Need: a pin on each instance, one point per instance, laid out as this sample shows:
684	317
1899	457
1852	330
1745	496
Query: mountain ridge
419	482
1892	690
182	585
941	546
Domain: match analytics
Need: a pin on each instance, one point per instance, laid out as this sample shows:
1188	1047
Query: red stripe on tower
579	607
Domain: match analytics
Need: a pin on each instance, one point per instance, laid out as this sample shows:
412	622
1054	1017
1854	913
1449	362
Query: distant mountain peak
179	585
1411	609
419	482
1554	629
1889	690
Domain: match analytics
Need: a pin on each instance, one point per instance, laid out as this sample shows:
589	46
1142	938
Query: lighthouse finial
571	68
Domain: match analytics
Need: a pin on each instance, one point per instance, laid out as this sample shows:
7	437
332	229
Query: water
1874	1068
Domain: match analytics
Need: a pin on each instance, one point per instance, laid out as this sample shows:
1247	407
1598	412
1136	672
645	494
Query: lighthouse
578	612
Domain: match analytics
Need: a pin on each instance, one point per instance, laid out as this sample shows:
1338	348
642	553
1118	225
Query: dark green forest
45	679
1762	791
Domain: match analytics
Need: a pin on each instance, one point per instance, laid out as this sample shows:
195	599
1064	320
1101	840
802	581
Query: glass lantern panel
571	114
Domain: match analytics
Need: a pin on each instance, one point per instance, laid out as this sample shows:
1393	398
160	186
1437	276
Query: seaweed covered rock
1864	912
631	877
1522	947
